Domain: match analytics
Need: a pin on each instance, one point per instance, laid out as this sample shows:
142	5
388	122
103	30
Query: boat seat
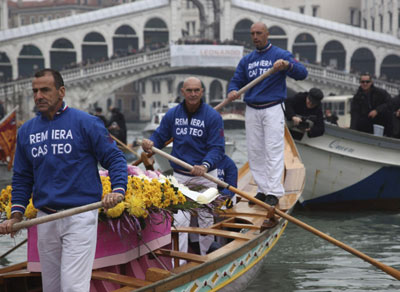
15	267
211	231
123	289
154	274
20	273
184	267
119	279
181	255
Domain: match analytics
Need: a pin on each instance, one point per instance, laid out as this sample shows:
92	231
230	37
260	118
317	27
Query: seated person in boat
228	172
117	125
198	133
304	112
98	112
370	105
396	117
331	117
56	161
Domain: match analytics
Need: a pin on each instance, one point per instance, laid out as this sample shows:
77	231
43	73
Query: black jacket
362	103
296	106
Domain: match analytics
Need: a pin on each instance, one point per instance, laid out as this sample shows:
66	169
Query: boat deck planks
182	255
119	279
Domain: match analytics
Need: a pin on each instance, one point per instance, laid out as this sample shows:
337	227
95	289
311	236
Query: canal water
302	261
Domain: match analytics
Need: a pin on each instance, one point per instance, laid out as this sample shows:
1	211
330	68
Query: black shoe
259	196
271	200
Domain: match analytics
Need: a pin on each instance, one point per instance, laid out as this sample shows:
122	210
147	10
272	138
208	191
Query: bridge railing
323	74
78	74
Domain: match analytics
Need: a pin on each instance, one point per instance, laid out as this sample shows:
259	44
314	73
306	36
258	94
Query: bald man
198	133
264	113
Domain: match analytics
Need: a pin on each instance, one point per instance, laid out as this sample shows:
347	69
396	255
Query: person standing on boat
370	105
265	121
198	133
56	161
304	111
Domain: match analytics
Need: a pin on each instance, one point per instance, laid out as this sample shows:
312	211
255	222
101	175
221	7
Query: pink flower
134	170
103	172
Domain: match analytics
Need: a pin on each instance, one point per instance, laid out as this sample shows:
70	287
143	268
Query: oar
55	216
13	248
224	103
247	87
387	269
124	145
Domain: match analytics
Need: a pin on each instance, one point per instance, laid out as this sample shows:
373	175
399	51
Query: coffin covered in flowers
136	226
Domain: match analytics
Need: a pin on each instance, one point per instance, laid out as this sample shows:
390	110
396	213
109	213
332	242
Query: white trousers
204	218
265	129
67	248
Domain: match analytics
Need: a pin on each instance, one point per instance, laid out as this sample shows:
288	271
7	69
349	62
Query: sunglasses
365	81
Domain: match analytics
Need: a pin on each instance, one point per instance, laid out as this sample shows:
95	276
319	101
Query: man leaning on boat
304	114
56	161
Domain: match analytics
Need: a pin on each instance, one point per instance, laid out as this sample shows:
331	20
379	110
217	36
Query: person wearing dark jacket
305	107
396	116
370	105
117	125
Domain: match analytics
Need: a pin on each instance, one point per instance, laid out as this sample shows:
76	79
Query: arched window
30	60
305	48
94	48
277	37
62	55
241	32
156	33
125	41
362	61
334	55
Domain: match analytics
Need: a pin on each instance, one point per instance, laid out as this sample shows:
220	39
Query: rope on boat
156	257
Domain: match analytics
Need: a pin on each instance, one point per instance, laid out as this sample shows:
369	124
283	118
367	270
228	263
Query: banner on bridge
205	55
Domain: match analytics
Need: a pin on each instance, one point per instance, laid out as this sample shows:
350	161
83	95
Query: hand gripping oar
249	85
58	215
387	269
224	102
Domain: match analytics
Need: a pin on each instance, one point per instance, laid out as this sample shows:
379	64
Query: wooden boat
163	165
347	169
232	113
252	233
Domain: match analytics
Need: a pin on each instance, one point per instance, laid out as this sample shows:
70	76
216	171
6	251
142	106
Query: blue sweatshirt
272	88
227	172
198	138
58	160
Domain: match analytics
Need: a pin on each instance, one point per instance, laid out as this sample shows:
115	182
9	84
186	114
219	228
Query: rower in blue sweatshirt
56	160
198	133
227	172
265	121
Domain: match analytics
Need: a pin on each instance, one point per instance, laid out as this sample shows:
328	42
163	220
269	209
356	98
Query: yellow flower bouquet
147	192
